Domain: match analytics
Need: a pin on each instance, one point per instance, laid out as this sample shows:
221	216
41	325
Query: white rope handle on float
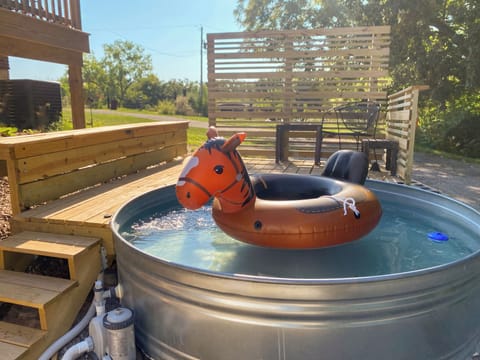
348	203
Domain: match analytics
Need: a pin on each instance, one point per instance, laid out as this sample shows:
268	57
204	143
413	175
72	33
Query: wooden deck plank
162	174
35	281
63	246
103	199
25	295
99	208
19	335
11	351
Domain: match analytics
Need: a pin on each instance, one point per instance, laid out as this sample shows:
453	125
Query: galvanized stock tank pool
401	292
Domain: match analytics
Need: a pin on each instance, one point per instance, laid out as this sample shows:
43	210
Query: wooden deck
88	213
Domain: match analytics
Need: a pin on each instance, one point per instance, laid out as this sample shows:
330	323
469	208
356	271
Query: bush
464	137
199	101
454	129
166	107
181	105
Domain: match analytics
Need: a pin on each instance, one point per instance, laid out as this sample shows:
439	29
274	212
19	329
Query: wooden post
75	14
76	95
281	143
411	134
288	86
4	67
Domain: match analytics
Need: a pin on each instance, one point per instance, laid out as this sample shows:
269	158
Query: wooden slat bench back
47	166
72	182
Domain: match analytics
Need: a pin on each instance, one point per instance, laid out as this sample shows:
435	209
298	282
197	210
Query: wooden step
56	300
60	246
30	289
15	340
11	351
47	244
35	291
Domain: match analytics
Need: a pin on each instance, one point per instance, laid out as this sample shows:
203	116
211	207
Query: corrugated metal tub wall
185	312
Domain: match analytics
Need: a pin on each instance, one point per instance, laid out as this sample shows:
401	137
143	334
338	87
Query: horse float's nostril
188	195
257	225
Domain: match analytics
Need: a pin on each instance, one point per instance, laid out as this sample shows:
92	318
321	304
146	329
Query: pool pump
118	325
112	332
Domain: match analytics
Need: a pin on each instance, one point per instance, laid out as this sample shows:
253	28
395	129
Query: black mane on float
216	142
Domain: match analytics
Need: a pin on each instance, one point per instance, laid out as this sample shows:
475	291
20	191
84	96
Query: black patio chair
358	119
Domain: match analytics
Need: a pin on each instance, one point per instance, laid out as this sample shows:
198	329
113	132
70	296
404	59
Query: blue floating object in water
437	236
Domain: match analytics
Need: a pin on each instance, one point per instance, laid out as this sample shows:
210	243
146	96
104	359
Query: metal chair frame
359	118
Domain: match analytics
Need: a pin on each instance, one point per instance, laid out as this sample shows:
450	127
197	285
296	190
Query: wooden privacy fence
401	122
257	80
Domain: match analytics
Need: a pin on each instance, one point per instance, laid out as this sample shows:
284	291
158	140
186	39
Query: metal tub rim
375	185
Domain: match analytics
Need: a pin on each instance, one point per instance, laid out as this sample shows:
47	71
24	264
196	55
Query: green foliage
454	128
198	101
181	106
95	82
433	43
144	93
8	131
125	63
166	107
124	74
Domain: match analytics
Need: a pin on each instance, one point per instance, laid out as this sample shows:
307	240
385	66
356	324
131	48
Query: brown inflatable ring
300	211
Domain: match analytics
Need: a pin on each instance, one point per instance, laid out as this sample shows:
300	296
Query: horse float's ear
232	143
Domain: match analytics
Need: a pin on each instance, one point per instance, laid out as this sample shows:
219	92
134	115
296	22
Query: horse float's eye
218	169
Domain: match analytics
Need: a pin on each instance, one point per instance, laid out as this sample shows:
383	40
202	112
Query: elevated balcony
47	30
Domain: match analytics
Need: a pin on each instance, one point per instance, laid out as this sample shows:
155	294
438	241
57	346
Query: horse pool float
280	210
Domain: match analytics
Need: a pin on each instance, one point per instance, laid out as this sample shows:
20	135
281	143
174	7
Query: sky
168	30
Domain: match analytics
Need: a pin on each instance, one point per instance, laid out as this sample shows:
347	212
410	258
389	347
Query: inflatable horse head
216	170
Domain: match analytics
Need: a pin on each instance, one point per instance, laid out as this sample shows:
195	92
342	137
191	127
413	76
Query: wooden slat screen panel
295	74
401	122
256	79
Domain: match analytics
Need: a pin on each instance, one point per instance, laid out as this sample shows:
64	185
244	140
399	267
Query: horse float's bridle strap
197	184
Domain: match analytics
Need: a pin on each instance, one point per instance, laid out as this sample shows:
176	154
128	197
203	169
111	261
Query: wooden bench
72	182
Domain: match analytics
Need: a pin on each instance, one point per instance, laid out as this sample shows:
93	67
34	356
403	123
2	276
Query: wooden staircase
56	301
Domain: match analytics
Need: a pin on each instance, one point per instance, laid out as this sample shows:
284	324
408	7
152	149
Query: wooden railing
401	123
62	12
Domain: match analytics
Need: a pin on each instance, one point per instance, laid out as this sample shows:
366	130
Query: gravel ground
455	178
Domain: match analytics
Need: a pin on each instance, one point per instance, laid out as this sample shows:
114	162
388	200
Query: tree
145	92
433	41
95	81
124	63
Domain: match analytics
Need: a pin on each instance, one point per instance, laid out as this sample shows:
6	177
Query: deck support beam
76	95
